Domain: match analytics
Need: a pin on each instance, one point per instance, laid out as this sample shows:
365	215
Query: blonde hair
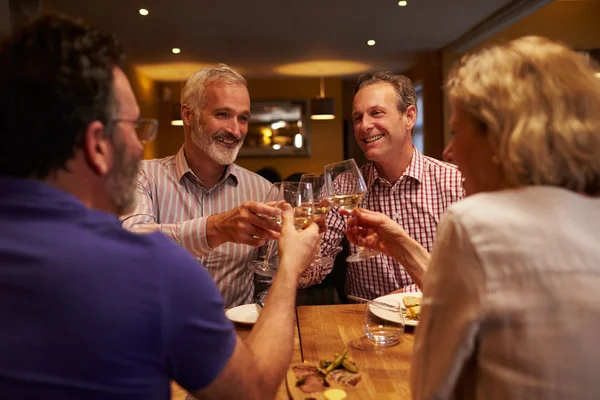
193	91
539	103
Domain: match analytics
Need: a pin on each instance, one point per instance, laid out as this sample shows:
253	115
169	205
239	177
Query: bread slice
411	301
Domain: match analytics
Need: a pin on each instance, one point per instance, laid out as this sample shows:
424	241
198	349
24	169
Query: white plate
245	314
398	298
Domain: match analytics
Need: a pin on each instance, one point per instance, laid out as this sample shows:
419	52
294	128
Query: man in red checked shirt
408	187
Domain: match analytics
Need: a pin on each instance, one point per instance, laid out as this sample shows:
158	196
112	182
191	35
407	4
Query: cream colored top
512	299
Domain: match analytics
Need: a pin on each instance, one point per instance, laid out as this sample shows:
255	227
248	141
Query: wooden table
324	330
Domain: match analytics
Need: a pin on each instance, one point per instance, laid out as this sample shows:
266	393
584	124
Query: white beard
211	146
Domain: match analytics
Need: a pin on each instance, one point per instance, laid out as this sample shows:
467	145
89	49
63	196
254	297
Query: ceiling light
176	50
143	11
321	107
403	3
371	42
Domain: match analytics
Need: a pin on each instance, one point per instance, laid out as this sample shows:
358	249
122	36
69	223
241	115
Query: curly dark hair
56	77
405	90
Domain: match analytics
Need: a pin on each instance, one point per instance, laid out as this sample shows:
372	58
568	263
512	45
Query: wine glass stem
269	252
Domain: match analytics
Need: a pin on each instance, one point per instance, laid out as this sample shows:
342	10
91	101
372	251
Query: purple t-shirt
91	311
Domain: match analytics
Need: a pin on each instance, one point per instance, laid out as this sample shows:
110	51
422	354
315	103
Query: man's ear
186	114
97	148
411	117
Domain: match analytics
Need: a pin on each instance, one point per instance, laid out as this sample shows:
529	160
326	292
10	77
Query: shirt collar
415	169
182	168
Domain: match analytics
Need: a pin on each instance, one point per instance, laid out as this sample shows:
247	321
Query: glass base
262	268
362	255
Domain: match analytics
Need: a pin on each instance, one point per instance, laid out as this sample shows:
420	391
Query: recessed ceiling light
143	11
176	50
371	42
403	3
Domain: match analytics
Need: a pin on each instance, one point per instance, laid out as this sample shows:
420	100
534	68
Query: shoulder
440	168
445	176
245	176
157	164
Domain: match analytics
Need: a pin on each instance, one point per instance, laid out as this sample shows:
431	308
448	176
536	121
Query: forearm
189	234
414	258
330	248
272	337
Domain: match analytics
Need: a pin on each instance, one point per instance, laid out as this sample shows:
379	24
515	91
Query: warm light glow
266	132
276	146
177	122
175	71
322	117
597	74
299	123
298	140
402	3
278	125
371	42
143	12
323	68
176	50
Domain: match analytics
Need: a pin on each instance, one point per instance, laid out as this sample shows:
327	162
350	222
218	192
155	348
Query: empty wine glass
347	188
265	267
321	194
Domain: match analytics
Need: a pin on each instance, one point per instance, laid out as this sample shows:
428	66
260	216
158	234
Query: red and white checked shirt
416	201
169	194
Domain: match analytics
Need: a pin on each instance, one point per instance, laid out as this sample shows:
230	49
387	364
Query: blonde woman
512	290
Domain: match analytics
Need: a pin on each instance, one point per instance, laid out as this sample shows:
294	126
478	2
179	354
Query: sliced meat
313	383
304	370
344	377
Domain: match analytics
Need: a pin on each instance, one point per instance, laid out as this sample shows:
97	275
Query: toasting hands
252	223
375	231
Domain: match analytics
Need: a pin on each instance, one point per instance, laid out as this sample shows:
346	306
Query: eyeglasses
145	128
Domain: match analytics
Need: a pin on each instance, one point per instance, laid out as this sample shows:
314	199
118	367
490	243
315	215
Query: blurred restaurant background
303	57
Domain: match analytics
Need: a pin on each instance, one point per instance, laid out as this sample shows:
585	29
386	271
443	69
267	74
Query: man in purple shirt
89	310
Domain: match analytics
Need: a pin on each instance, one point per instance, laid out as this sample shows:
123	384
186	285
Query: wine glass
347	188
300	196
321	194
264	267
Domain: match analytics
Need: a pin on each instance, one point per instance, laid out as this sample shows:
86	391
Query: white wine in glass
265	267
300	196
346	201
321	194
347	188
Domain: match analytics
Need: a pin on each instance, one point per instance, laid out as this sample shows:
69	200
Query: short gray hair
193	91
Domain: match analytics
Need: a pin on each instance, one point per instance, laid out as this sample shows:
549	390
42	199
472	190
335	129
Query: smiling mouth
372	139
226	140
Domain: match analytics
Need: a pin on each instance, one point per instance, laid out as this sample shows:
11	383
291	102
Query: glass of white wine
347	188
300	196
321	194
265	267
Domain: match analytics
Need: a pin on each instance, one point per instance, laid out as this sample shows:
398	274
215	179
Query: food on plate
344	377
413	306
310	378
